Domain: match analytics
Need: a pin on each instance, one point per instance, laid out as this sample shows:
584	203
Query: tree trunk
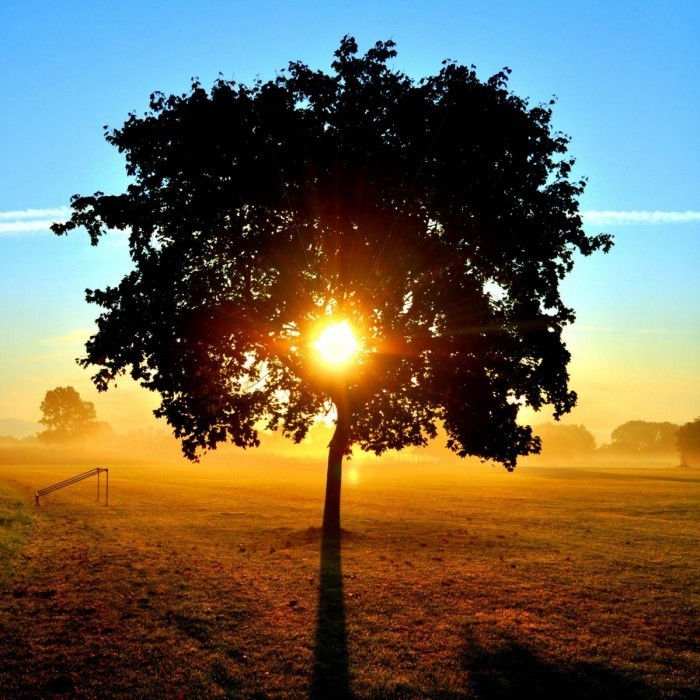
336	451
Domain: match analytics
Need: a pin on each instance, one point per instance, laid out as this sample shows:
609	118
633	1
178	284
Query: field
213	581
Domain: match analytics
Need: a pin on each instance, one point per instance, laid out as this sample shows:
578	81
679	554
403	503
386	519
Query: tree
565	441
435	217
639	436
688	442
66	415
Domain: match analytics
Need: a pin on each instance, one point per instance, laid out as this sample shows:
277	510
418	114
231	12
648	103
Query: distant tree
638	436
565	441
66	416
435	217
688	443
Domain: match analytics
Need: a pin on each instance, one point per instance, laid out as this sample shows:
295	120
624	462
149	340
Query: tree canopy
66	415
436	216
638	436
688	441
565	441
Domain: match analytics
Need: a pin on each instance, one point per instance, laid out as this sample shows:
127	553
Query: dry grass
202	582
15	522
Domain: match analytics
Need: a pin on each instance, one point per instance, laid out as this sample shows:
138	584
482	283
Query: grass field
206	581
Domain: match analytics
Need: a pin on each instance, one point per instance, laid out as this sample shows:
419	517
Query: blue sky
626	79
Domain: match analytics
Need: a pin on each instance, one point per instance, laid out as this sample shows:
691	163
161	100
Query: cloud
38	221
22	221
623	218
58	212
16	227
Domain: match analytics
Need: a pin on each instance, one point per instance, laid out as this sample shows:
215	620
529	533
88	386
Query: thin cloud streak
22	221
39	221
626	218
61	212
17	227
27	221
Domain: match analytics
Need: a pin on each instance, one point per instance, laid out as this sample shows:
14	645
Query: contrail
622	218
21	221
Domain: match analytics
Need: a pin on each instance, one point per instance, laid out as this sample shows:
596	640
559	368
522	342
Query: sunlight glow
336	344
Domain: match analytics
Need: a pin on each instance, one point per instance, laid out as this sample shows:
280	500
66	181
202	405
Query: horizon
554	435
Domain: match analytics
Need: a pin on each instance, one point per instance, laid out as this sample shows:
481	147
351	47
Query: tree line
635	437
67	417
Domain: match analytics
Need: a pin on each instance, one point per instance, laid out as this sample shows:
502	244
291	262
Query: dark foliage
438	216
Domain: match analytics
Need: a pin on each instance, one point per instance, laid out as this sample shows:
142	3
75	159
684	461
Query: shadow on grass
331	677
508	669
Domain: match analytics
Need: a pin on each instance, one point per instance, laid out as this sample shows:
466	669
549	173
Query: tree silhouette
66	415
688	441
436	217
565	441
639	436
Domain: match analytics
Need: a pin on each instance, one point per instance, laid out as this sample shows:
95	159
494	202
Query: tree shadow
331	678
508	669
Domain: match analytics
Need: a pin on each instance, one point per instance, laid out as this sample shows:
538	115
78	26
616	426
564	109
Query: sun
336	344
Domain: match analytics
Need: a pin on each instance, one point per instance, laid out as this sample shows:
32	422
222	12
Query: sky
625	76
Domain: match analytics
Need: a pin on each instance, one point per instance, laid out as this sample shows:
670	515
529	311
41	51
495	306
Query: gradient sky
626	79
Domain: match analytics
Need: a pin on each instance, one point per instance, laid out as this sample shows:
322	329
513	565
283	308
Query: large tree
436	217
65	415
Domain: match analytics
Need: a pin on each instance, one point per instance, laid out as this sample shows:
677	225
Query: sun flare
336	344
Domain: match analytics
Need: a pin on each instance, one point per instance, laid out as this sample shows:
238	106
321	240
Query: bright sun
336	344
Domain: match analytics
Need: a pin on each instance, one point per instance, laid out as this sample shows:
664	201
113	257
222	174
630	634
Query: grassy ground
205	582
15	521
